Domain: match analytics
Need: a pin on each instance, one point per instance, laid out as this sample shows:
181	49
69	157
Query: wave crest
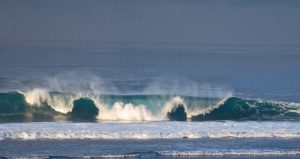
42	105
128	112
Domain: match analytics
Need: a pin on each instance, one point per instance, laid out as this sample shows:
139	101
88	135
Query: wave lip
243	109
42	105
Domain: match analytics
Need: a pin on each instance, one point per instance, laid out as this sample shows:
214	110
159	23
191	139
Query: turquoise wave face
54	106
241	109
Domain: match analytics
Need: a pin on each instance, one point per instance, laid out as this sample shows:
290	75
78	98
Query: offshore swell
90	117
42	105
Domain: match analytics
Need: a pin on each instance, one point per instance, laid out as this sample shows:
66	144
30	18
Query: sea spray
41	105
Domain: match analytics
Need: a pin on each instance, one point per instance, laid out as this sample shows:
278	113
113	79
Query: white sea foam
149	130
37	96
91	86
128	112
171	104
118	111
107	156
59	102
117	156
64	103
207	109
224	152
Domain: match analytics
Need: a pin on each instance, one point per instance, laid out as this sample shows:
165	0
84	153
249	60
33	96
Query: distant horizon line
141	43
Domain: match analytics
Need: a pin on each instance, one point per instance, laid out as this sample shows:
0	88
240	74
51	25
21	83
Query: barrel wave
40	105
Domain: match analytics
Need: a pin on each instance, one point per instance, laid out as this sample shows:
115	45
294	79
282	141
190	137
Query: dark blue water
259	72
17	107
240	92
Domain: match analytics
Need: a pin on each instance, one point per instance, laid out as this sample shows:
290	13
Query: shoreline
159	148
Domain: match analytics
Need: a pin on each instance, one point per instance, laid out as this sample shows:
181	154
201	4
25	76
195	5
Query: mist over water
154	82
260	72
150	79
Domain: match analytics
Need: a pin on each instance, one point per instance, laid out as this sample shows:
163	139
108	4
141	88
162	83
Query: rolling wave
41	105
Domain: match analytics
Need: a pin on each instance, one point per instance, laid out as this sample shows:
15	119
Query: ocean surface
150	101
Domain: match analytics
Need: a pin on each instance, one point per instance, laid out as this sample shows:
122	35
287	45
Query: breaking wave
42	105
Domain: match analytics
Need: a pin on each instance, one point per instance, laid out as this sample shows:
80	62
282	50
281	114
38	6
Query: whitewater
149	130
163	107
42	105
217	124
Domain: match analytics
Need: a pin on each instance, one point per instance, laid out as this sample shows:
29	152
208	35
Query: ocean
150	100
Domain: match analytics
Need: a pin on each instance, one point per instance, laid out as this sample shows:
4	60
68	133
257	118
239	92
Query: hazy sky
171	21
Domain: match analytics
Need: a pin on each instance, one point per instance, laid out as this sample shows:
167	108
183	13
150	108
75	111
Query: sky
251	46
262	22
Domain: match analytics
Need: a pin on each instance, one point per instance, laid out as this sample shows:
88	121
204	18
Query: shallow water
162	148
149	130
